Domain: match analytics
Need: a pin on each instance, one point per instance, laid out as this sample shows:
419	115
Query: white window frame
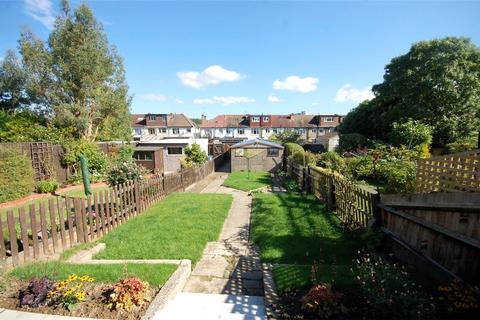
275	130
138	131
152	117
255	119
229	130
175	130
266	119
150	130
163	130
255	131
241	132
327	119
267	130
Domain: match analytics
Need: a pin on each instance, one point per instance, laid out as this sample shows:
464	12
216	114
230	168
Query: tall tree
12	83
79	76
437	82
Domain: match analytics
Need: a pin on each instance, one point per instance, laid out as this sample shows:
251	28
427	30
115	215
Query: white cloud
348	93
179	101
157	97
274	99
224	100
212	75
42	11
295	83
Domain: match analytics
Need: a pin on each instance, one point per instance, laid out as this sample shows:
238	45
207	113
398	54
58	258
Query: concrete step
213	306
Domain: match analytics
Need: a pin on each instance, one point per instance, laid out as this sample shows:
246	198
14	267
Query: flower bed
79	296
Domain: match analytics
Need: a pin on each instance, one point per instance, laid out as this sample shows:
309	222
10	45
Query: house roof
173	120
276	121
256	142
147	148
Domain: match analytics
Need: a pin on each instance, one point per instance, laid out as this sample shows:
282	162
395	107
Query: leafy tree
25	126
12	83
351	141
285	137
411	133
437	83
77	77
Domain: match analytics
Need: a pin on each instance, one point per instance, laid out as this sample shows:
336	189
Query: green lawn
247	181
154	274
178	227
294	230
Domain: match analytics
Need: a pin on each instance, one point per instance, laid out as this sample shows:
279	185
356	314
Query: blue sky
254	57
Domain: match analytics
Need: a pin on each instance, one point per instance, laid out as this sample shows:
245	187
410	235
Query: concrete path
227	282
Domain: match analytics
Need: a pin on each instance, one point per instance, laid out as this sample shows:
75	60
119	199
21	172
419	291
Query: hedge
16	175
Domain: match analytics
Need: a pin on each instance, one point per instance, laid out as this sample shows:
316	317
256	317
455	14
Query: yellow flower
72	277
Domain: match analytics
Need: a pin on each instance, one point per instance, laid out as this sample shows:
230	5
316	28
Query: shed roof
147	148
257	141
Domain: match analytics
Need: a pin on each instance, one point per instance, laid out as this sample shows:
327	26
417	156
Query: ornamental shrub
97	160
352	141
126	171
47	186
36	292
331	160
389	291
16	175
399	175
411	133
128	293
194	154
291	148
323	301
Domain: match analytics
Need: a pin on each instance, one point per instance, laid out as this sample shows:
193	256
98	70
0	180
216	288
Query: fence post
137	197
377	213
330	193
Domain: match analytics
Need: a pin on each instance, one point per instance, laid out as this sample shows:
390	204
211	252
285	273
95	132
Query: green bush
194	156
360	166
97	160
399	175
47	186
123	172
331	160
291	148
411	133
16	175
351	141
125	153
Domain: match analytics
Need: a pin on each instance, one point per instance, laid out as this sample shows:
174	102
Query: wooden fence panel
458	172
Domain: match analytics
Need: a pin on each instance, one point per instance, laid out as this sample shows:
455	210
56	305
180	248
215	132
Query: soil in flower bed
94	306
290	305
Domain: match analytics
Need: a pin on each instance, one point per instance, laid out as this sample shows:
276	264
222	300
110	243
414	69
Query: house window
266	119
138	131
267	130
163	130
220	131
175	150
143	155
189	130
241	131
314	130
255	119
328	119
152	117
229	131
175	130
238	152
255	131
300	130
272	152
275	130
151	131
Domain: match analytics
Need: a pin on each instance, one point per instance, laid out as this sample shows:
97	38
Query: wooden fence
46	159
37	231
438	233
450	173
354	204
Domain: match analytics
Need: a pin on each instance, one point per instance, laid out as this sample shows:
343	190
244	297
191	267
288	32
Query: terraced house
162	125
316	129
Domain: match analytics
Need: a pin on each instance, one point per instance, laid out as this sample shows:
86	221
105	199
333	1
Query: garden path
227	282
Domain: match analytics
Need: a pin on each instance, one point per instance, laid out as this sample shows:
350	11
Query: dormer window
266	119
255	119
328	119
152	117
